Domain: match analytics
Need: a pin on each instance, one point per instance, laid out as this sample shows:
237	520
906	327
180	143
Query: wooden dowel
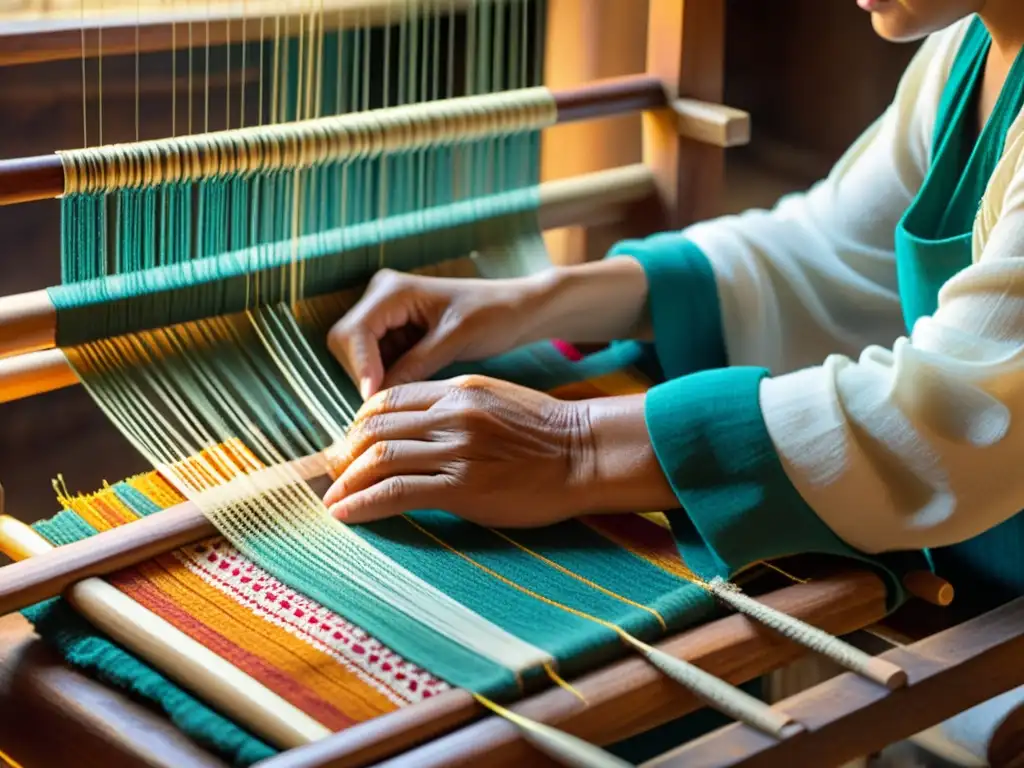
34	373
625	698
609	97
158	642
25	179
39	578
385	736
926	586
40	178
30	581
28	321
714	124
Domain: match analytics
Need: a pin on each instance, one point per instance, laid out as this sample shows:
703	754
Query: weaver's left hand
485	450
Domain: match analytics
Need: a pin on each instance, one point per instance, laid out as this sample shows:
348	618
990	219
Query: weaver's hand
408	327
492	452
497	454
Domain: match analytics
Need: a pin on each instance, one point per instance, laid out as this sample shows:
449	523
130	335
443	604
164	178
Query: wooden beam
589	41
848	717
685	49
712	124
53	715
631	697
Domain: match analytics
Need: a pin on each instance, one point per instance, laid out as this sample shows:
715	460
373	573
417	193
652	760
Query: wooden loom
685	132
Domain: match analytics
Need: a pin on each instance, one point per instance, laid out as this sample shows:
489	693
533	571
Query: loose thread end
786	574
60	488
562	683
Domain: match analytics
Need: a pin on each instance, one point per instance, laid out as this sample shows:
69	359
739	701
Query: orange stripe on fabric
102	510
140	588
610	385
291	658
362	701
381	680
143	592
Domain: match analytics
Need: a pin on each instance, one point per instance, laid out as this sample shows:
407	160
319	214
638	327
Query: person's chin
895	26
893	21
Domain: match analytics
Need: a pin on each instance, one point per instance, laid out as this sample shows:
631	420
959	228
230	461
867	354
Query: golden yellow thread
10	761
583	579
562	683
502	712
629	639
779	570
508	582
306	143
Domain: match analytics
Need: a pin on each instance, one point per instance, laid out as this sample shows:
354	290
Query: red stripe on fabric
639	531
139	588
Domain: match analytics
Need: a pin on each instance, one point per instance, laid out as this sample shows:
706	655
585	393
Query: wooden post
590	40
685	48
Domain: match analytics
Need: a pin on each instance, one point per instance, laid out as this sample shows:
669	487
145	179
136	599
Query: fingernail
337	511
365	387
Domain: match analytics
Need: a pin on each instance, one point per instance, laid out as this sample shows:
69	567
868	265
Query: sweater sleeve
857	456
910	445
816	275
919	444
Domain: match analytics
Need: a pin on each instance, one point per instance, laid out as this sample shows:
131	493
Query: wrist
597	302
617	469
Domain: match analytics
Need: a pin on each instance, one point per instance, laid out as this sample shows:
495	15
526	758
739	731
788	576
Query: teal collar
934	238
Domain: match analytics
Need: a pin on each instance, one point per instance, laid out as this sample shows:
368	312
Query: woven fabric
311	657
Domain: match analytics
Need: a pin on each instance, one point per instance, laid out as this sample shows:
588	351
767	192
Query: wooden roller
174	653
28	322
40	178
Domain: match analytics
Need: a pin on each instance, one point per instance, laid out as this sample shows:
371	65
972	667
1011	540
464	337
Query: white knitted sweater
895	442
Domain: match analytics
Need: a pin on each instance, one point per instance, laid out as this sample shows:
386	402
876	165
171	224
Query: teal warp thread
578	644
475	196
137	259
94	653
237	369
241	371
332	260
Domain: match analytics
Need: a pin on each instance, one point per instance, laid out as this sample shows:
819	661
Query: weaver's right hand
406	327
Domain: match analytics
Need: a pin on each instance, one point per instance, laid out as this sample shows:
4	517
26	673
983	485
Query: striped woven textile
310	656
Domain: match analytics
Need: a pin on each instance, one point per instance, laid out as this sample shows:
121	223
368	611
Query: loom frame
684	153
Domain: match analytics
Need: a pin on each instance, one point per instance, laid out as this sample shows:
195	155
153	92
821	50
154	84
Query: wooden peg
714	124
926	586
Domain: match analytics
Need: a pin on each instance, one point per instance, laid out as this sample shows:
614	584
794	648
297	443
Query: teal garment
934	243
737	506
683	301
707	429
934	238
